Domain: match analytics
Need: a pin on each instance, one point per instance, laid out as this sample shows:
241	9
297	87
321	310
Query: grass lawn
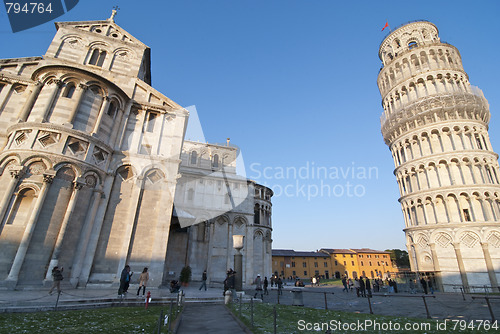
294	319
103	320
335	281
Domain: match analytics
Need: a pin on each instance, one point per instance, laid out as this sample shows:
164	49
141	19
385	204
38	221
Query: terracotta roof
368	250
291	252
337	251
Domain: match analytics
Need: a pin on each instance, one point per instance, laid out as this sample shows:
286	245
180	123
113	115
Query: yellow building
356	262
289	263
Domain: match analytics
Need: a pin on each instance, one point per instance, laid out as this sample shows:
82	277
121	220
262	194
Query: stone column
229	247
16	173
461	267
162	232
4	93
129	222
48	176
79	93
117	122
83	241
103	110
210	246
120	134
490	267
53	95
96	226
28	105
437	268
54	261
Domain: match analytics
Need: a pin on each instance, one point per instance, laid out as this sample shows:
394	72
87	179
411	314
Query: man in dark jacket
204	280
124	281
368	287
57	277
362	287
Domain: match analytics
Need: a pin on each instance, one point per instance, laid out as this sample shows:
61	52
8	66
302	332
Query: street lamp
238	261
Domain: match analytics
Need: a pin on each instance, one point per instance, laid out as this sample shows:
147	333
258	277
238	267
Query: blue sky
293	84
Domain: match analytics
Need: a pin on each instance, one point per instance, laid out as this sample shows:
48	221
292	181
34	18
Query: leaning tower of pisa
436	126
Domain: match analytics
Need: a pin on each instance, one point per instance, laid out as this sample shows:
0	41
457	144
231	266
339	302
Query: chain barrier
24	300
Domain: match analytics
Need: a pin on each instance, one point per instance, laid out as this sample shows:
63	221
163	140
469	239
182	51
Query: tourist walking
203	280
344	283
266	283
258	287
143	281
57	278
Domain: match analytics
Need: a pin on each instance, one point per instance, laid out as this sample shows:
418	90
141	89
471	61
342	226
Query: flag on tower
386	25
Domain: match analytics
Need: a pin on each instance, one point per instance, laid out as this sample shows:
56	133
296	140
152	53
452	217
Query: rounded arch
92	179
4	161
239	219
258	233
154	166
28	185
68	164
37	158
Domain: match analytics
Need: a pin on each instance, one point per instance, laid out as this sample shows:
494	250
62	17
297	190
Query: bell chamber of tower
436	126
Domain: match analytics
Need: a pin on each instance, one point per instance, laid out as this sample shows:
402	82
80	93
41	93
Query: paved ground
208	318
443	306
202	316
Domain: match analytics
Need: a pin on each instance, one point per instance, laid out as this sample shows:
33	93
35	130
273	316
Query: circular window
98	31
114	35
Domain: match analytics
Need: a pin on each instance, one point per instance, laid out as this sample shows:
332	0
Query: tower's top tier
407	37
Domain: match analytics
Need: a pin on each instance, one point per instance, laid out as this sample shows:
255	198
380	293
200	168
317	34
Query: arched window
215	161
69	90
194	157
97	57
256	212
112	109
412	45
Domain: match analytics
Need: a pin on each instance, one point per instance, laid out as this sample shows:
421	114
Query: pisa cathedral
436	126
95	172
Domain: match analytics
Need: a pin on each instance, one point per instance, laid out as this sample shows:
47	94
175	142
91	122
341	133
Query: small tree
185	275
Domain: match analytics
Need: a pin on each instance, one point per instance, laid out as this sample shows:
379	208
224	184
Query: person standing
424	284
124	281
143	281
57	278
266	283
280	286
203	280
258	287
231	283
362	287
429	284
356	286
412	287
368	287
